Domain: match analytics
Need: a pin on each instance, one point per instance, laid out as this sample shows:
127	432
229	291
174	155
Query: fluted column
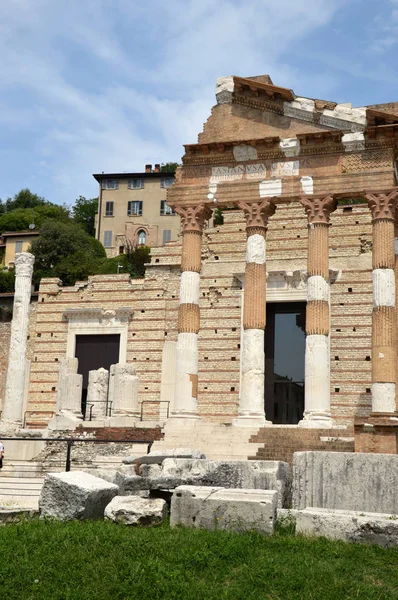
384	327
251	400
186	390
17	362
317	347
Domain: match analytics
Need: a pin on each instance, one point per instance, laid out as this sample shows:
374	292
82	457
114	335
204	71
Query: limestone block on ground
350	526
158	456
134	484
75	495
134	510
345	480
250	474
227	509
110	475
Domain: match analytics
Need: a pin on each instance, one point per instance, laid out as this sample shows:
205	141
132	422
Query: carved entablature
193	217
257	215
383	205
318	209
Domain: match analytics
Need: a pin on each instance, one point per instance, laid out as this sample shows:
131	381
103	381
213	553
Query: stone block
249	474
123	390
134	510
226	509
75	495
158	456
97	392
350	526
346	481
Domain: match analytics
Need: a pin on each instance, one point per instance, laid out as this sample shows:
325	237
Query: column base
316	420
251	421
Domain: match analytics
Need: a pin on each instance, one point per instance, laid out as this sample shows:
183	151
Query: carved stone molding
24	262
318	209
193	217
382	205
101	316
257	215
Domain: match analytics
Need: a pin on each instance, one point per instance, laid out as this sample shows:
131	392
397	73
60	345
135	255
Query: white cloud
112	86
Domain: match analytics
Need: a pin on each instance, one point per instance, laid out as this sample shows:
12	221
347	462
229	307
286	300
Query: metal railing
21	480
36	412
108	409
154	402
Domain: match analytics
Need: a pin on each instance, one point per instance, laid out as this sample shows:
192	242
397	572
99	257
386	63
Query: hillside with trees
66	247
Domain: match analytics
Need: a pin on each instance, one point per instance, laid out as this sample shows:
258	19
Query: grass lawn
101	561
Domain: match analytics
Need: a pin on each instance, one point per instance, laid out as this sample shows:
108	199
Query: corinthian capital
193	217
318	209
382	205
257	214
24	262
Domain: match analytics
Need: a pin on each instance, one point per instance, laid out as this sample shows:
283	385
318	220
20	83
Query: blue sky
109	85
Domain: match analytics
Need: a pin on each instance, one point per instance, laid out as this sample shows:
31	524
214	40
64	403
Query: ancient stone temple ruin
277	326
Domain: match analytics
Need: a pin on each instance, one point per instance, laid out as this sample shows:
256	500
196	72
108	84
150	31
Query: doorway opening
94	352
284	362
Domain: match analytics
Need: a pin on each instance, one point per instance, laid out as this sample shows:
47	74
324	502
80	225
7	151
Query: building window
166	235
18	247
165	209
135	184
134	208
121	249
110	184
107	239
141	238
109	209
166	182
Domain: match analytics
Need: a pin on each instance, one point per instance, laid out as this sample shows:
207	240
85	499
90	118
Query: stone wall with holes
154	304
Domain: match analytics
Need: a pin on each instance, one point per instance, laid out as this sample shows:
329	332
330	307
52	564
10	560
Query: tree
64	250
24	199
84	211
7	280
169	167
218	218
19	219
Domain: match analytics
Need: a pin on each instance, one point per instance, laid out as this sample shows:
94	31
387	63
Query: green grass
101	561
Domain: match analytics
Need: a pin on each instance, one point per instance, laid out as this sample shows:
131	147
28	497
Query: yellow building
14	242
133	207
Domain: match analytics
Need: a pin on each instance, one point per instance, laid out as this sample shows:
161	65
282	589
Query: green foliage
47	560
218	218
24	199
20	218
84	211
169	167
133	262
64	250
7	280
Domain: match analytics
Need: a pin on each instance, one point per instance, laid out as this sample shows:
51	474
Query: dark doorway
284	362
94	352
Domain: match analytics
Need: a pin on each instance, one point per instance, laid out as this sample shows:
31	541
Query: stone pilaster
251	400
17	362
97	394
186	385
384	320
317	351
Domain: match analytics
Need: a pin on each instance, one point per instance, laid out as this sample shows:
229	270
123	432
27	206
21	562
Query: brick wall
154	301
280	443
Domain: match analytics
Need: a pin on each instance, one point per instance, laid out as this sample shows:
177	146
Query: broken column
251	400
17	362
384	334
186	393
69	390
123	391
97	394
317	326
